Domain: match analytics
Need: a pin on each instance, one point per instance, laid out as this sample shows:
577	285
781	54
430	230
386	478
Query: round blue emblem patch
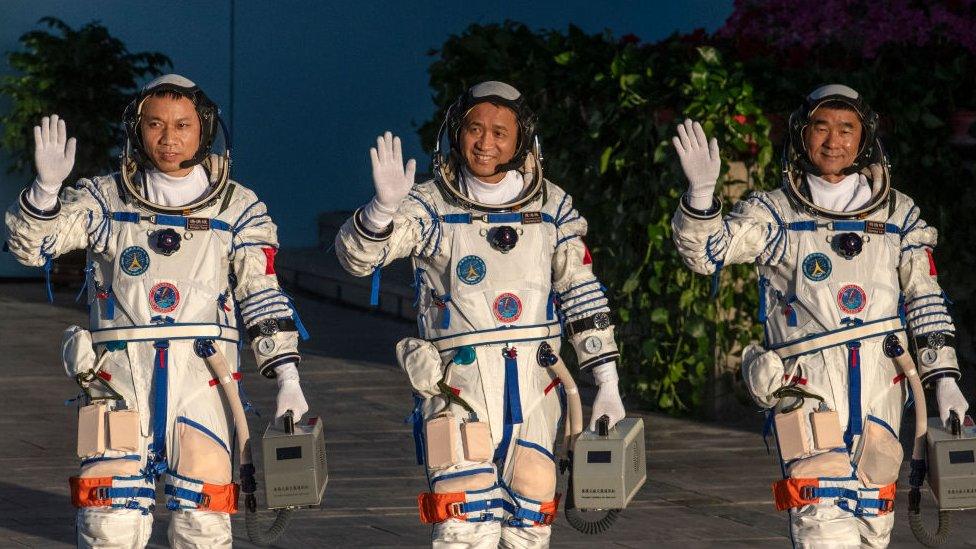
471	269
508	307
851	299
164	297
134	260
817	267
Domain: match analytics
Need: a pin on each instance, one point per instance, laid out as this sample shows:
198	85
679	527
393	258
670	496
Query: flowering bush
861	27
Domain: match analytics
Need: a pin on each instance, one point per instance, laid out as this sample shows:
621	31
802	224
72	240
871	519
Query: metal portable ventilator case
295	468
952	464
609	466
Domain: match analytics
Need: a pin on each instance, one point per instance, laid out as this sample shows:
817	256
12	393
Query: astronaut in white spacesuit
845	266
177	252
499	264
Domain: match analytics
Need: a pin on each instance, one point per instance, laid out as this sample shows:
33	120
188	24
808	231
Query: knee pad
202	456
533	472
533	485
469	494
116	481
880	454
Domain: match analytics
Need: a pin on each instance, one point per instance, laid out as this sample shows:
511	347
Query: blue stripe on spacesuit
244	224
251	307
244	212
566	239
854	427
577	304
578	286
461	474
248	244
567	218
562	203
912	210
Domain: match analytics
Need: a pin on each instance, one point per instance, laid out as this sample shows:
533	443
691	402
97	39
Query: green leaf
659	316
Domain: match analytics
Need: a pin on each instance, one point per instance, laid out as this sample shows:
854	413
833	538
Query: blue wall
315	82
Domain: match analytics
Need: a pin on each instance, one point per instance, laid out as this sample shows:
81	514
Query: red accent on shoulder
269	254
587	258
105	375
932	269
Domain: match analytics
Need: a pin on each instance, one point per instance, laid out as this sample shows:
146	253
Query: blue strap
716	278
802	226
854	426
110	305
551	305
47	276
481	505
416	418
132	457
768	428
763	282
374	291
834	492
184	493
131	492
513	400
512	217
512	405
302	332
169	220
129	217
159	413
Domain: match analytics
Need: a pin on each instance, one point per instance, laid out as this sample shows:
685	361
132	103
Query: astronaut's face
832	140
489	137
170	130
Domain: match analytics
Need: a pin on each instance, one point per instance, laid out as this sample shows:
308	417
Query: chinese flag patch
932	270
587	258
269	255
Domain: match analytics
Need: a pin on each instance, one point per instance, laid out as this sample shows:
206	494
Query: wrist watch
599	321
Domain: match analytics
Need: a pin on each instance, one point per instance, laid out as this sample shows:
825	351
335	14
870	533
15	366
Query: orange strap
85	491
219	497
887	493
550	510
436	508
794	492
797	492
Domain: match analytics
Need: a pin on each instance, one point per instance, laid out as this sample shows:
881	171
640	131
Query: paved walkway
708	484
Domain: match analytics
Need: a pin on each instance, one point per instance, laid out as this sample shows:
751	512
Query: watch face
601	321
928	356
936	340
592	345
269	327
266	345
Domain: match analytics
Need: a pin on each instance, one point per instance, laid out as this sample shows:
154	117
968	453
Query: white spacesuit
174	261
500	269
842	265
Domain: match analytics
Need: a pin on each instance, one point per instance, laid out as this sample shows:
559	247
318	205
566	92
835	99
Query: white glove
54	156
700	161
949	396
290	396
607	401
392	181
